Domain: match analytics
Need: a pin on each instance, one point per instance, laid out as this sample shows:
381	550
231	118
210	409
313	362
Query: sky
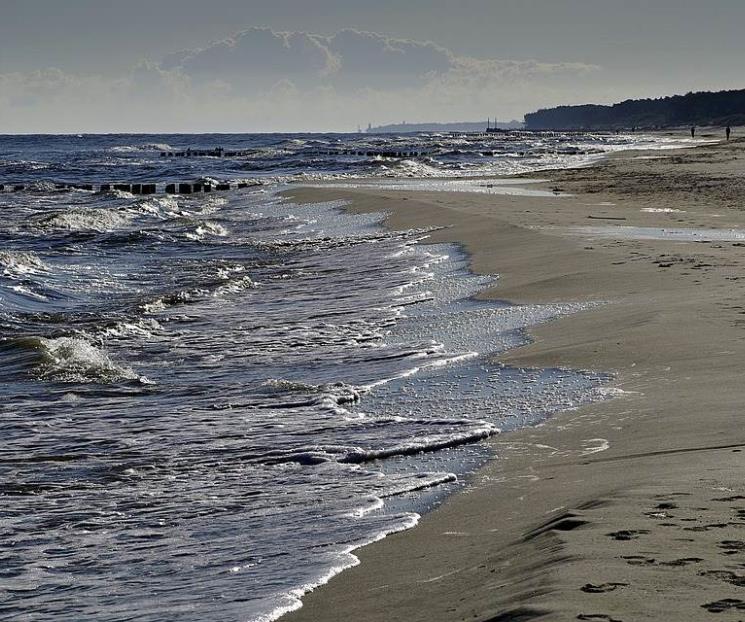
71	66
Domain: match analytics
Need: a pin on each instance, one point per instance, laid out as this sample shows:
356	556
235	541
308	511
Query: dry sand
629	509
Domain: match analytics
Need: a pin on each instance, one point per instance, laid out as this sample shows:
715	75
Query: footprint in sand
627	534
667	505
725	575
728	499
640	560
726	604
707	527
685	561
603	588
732	547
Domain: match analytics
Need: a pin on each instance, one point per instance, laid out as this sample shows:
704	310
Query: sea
208	402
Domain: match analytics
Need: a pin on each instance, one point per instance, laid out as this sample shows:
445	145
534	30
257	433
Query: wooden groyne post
140	188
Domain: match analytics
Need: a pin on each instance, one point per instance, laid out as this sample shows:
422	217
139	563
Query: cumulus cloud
349	58
371	59
256	54
263	80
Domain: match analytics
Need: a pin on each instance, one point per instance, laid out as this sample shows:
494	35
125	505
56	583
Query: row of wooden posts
221	153
180	188
373	154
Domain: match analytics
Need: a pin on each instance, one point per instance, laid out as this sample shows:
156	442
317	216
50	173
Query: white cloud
349	58
261	80
258	54
371	59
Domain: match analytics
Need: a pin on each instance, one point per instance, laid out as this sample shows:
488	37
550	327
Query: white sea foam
595	446
41	186
160	207
345	560
75	359
140	148
121	194
25	291
20	263
208	229
142	328
422	445
235	286
495	186
661	233
86	219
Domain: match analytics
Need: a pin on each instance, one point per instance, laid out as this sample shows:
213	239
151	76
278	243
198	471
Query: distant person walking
728	131
693	131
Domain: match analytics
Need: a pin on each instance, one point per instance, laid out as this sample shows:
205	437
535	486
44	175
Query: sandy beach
631	508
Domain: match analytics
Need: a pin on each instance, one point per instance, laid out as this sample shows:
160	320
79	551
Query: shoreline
528	539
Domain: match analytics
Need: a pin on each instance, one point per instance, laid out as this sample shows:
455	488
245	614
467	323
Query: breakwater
219	152
134	188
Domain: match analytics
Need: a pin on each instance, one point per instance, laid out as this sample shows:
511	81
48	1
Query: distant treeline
703	108
463	126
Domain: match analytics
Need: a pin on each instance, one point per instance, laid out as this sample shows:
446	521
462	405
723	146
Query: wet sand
629	509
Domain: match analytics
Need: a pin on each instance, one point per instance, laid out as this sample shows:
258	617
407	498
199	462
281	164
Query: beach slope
628	509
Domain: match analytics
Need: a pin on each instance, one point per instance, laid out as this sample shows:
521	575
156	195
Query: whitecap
19	263
75	359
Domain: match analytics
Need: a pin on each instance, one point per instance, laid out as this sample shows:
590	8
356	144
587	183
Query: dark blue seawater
283	157
209	401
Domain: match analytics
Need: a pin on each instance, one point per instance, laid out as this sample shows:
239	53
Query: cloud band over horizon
265	80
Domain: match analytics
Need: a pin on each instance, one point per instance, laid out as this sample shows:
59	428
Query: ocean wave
421	481
159	207
41	186
143	328
27	292
181	297
343	454
21	264
235	286
214	289
207	229
338	392
140	148
117	194
74	359
101	220
291	601
22	166
109	219
408	168
420	445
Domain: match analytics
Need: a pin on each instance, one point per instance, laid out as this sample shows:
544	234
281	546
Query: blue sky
230	65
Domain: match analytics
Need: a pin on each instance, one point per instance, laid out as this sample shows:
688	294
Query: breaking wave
100	220
21	264
73	359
